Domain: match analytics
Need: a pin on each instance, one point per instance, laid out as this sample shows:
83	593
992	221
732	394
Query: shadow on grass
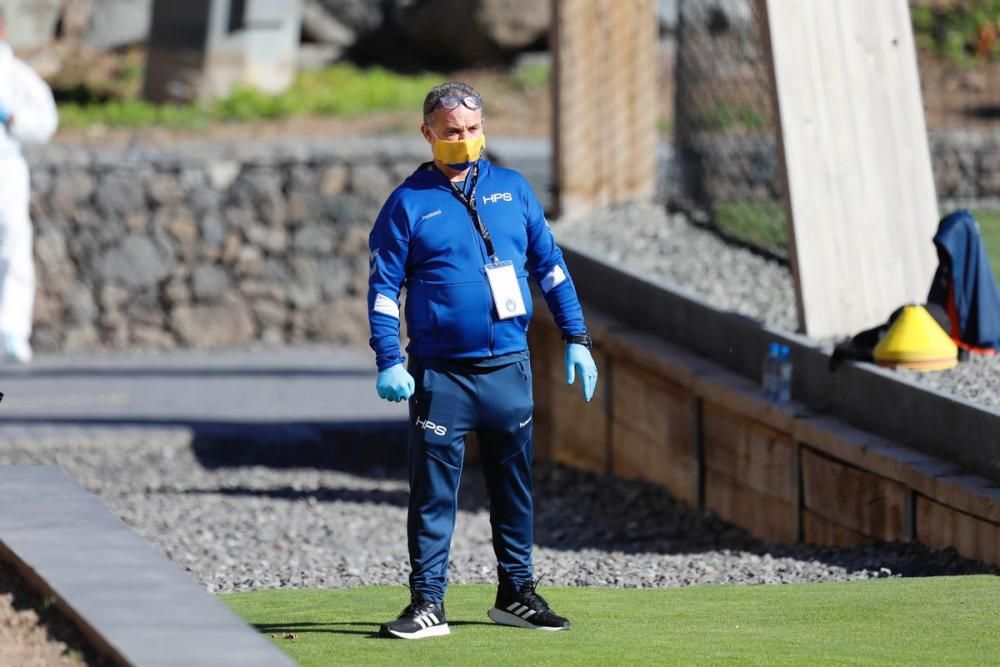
342	628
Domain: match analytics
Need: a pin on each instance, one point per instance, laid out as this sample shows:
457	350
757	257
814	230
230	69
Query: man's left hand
578	359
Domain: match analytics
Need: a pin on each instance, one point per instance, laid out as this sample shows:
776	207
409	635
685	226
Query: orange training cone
916	341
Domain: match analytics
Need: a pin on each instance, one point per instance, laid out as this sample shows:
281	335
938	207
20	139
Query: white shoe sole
433	631
506	618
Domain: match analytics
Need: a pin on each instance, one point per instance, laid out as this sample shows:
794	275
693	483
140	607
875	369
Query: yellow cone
915	340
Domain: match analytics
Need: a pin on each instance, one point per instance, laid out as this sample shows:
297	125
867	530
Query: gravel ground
34	634
668	248
249	528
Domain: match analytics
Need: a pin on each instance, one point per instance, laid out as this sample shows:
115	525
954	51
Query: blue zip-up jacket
424	238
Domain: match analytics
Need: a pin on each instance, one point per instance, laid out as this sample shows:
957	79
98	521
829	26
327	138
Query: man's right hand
395	384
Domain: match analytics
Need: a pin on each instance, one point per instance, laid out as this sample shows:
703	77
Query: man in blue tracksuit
463	235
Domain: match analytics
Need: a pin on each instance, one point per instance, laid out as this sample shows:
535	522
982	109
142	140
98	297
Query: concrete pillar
201	49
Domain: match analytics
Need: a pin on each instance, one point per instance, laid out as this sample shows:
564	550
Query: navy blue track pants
451	399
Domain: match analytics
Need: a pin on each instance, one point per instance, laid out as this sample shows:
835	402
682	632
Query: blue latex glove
578	359
4	114
394	384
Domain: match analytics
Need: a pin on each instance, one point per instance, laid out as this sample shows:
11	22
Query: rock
80	305
54	267
152	337
260	190
48	310
304	207
209	282
349	209
136	262
339	322
372	183
80	338
181	226
317	238
72	189
485	31
226	323
334	180
334	277
164	189
271	239
213	229
270	314
304	291
222	173
119	195
112	298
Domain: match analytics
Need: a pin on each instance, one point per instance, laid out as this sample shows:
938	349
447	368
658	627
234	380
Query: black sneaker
524	608
417	621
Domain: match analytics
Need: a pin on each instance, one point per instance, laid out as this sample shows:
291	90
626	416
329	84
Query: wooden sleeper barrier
666	416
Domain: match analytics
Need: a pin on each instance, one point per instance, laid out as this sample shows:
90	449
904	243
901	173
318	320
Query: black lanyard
470	205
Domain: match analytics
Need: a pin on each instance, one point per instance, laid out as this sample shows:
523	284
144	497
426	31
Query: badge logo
511	305
497	196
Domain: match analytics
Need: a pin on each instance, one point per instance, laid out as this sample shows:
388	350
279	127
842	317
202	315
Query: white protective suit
28	100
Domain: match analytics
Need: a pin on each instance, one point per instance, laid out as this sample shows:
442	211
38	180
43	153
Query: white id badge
506	290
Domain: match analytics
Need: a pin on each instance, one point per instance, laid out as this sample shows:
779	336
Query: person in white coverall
28	114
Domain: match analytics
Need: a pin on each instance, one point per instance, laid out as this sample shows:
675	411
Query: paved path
285	406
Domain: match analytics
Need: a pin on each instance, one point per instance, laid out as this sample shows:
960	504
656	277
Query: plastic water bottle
784	380
769	372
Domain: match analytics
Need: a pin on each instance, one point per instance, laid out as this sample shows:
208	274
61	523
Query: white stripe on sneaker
513	606
434	619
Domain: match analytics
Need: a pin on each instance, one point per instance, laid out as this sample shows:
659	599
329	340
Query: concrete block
762	515
201	51
761	458
865	503
117	23
819	530
31	23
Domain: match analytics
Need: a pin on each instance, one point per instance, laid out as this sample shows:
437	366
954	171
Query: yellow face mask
459	154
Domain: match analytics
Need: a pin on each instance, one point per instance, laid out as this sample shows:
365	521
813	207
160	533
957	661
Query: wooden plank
942	526
819	530
856	160
579	434
647	403
761	458
600	46
760	514
635	456
860	501
745	398
859	448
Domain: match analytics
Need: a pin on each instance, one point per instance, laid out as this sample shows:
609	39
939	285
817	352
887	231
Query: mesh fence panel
725	122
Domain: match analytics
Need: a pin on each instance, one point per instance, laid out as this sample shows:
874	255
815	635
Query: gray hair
449	89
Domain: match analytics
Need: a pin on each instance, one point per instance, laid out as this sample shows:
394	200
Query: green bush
965	32
341	90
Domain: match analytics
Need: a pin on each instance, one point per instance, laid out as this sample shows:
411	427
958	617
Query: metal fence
725	124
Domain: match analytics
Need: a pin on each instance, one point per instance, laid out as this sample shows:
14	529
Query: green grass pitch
929	621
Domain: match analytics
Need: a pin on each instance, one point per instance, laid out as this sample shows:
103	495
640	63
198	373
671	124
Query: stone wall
207	246
719	168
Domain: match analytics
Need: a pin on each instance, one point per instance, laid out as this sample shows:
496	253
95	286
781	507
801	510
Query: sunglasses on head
451	102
